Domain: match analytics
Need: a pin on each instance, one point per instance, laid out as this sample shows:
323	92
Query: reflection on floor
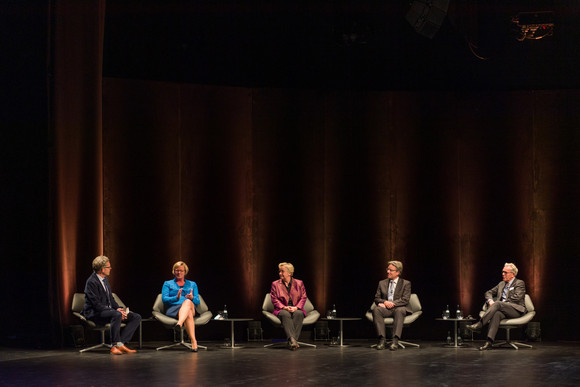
547	364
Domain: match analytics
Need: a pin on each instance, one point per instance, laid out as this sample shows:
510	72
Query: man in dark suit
101	307
505	300
391	300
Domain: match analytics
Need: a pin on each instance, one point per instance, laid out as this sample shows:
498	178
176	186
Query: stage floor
547	364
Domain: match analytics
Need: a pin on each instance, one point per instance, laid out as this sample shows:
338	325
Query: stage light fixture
533	25
427	16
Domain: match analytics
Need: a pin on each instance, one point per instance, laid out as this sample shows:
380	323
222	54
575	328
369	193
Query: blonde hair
288	266
100	262
178	264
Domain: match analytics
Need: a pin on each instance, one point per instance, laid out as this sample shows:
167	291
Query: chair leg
401	342
513	344
307	344
284	343
101	344
181	342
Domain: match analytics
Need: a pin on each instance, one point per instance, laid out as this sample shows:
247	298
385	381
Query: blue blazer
96	298
170	289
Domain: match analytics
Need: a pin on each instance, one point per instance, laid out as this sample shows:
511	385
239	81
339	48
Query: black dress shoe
486	346
393	347
381	345
475	327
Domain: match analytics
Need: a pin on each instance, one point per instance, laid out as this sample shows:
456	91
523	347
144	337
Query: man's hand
389	304
123	313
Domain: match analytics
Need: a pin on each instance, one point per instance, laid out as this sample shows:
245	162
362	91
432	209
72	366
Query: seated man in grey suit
505	300
392	299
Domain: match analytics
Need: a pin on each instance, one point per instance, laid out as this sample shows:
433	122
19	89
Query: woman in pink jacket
289	296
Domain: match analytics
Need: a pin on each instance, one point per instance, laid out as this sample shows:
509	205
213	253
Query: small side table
455	321
341	319
232	321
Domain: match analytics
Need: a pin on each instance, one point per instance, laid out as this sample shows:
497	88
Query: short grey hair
398	265
512	266
100	262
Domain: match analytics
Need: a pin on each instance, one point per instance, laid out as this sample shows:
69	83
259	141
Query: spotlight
426	16
533	25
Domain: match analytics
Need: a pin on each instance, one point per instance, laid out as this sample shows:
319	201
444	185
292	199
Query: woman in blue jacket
180	297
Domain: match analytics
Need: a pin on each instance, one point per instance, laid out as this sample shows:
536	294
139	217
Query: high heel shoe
193	349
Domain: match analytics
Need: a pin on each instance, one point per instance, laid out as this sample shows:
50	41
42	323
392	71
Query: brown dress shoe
126	350
115	350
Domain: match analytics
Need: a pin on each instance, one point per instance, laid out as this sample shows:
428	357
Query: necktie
108	290
505	292
391	290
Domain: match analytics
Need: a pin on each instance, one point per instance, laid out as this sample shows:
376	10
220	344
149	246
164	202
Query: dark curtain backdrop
75	60
235	180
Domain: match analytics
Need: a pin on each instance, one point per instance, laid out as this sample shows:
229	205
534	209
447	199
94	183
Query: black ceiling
339	44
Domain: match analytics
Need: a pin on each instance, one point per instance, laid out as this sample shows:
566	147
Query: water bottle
447	314
458	313
449	340
333	314
225	311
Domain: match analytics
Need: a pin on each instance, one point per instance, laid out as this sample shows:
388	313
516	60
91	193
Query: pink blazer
280	295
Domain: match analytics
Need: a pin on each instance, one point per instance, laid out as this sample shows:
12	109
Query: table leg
340	333
455	333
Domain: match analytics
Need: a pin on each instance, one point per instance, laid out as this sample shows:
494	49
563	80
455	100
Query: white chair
312	315
169	322
414	305
511	323
78	304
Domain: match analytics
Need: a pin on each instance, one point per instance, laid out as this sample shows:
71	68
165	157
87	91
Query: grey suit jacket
400	297
515	296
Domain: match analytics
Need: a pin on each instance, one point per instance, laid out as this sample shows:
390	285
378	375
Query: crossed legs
185	319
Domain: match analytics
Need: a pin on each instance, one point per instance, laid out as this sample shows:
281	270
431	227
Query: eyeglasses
392	270
505	272
107	267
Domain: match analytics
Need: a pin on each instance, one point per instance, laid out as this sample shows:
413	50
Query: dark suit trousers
292	323
398	314
495	313
114	318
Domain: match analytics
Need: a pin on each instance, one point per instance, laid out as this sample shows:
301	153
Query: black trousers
114	317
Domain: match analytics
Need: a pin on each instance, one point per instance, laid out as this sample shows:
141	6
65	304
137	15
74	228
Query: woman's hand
179	294
189	296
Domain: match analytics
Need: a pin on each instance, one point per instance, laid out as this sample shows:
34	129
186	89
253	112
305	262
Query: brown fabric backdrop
77	186
235	180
